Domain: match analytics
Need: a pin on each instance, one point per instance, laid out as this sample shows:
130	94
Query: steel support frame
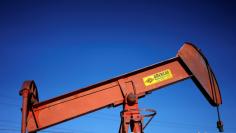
130	116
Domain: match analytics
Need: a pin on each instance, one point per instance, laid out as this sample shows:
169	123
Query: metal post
25	96
131	116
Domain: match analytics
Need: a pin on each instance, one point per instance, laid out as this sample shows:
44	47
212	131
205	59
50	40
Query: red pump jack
122	90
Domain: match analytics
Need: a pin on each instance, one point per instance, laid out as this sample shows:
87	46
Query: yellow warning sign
157	77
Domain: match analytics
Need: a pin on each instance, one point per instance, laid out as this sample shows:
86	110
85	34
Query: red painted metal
25	94
130	116
29	95
204	78
189	63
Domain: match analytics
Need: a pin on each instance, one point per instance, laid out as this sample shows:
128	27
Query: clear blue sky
66	45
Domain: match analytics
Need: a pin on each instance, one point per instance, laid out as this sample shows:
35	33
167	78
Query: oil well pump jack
122	90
